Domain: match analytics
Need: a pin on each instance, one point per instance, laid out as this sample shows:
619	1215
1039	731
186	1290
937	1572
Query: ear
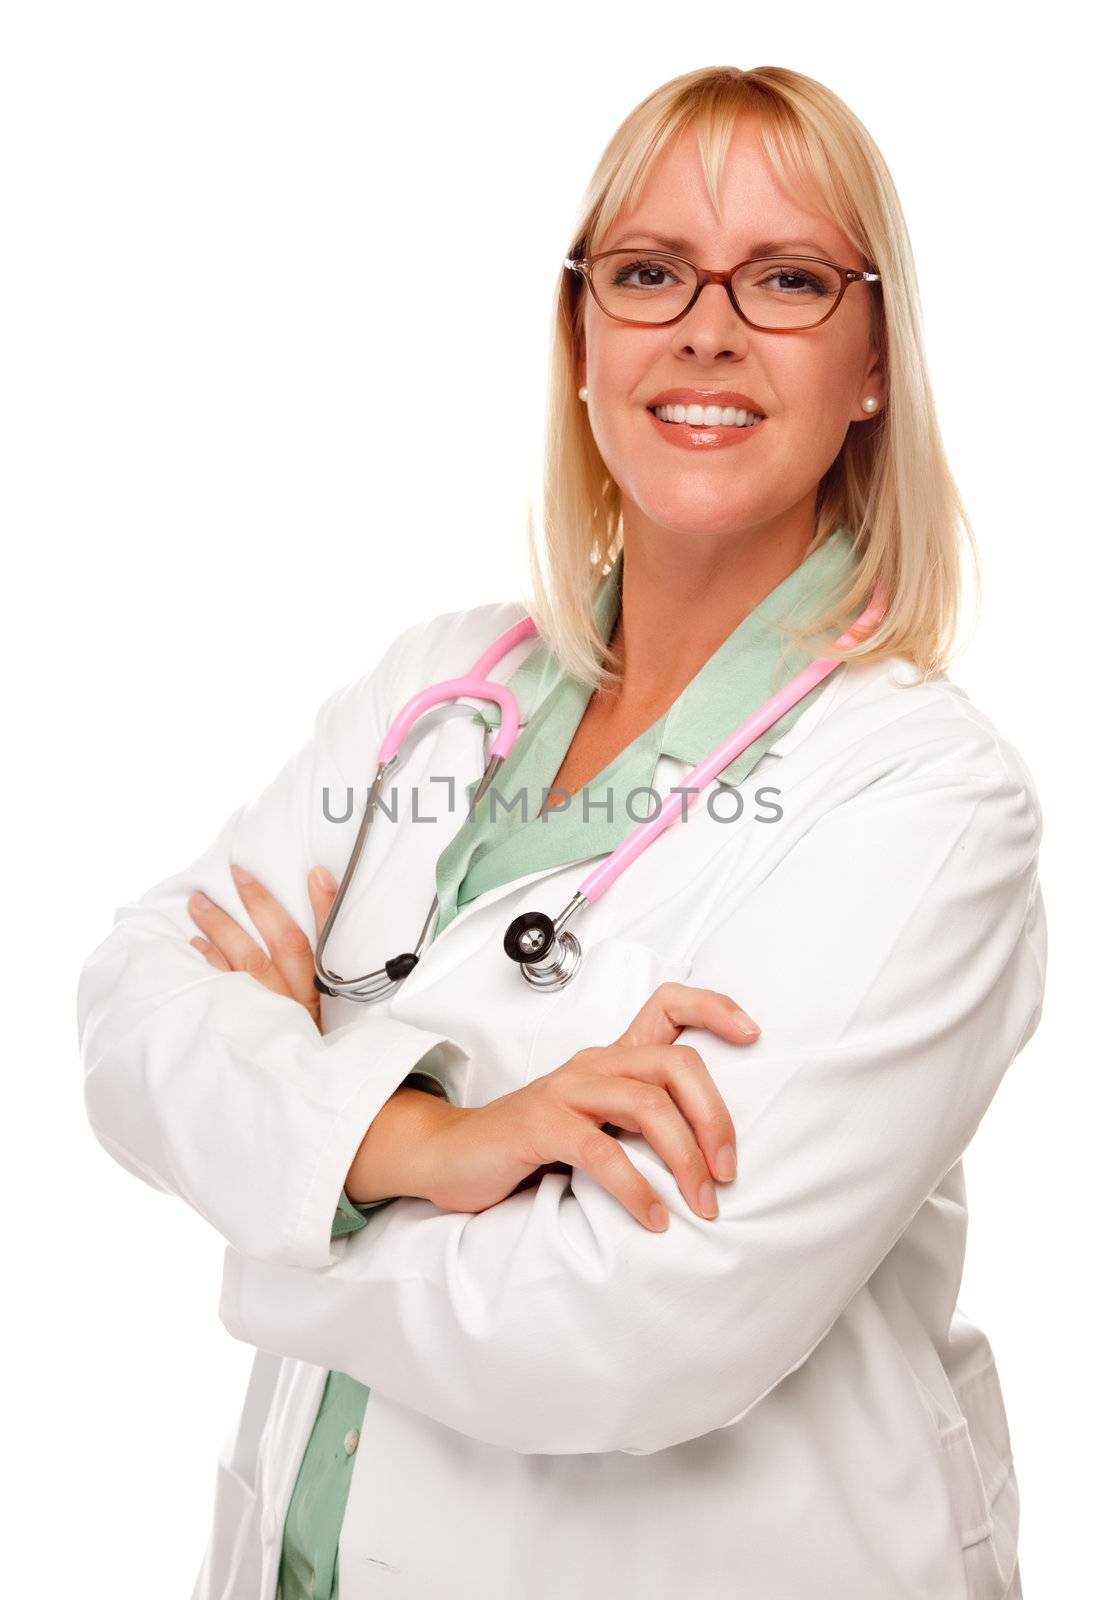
873	383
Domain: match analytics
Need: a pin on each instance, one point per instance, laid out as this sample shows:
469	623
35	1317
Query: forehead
759	208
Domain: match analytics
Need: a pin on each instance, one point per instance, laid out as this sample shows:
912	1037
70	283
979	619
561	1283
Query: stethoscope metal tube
383	980
375	985
549	954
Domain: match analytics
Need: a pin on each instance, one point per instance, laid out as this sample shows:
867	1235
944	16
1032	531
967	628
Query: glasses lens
775	292
643	288
784	292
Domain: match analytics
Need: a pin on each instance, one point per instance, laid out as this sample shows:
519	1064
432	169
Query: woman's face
809	385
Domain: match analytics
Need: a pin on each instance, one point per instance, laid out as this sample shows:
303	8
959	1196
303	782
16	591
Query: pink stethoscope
547	953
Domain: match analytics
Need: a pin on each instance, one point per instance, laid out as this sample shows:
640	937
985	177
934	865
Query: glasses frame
707	275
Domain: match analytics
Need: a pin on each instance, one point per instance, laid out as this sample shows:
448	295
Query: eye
653	270
794	279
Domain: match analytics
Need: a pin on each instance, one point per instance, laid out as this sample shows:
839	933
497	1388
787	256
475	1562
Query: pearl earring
869	404
583	393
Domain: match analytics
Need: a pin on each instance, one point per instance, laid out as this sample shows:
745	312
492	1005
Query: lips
695	436
706	397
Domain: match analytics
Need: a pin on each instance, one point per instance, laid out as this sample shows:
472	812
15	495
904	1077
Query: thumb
322	892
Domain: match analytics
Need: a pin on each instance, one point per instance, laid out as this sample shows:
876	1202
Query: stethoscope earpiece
397	969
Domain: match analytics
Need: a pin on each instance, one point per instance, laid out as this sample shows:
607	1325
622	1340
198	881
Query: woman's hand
642	1082
286	965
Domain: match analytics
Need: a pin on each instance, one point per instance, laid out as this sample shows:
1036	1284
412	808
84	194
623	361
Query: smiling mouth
703	438
697	416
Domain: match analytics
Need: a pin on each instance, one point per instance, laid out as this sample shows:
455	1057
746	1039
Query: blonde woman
643	1285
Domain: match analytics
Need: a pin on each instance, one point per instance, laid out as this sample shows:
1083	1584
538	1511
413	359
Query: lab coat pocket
988	1546
232	1565
615	978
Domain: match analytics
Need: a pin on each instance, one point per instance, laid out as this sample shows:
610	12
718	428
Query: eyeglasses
777	294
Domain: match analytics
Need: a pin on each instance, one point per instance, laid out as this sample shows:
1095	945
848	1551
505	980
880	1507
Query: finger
212	953
322	892
239	948
674	1006
648	1109
681	1070
577	1141
286	940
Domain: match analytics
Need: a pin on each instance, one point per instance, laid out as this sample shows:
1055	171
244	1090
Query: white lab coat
780	1403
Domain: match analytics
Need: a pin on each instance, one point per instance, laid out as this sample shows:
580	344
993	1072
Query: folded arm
350	1215
895	958
210	1086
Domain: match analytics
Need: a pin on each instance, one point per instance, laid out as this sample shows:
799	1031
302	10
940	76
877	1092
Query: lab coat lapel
752	664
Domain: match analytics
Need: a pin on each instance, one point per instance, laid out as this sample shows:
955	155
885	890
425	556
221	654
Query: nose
713	327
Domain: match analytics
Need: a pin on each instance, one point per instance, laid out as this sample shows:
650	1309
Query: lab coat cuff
351	1214
228	1309
441	1066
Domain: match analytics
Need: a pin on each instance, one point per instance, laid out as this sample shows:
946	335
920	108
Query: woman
484	1369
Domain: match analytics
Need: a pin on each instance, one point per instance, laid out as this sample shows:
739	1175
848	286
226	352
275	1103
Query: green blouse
752	664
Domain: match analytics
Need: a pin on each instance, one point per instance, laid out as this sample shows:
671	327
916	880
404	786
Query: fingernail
745	1024
325	880
241	876
200	902
657	1215
707	1199
726	1163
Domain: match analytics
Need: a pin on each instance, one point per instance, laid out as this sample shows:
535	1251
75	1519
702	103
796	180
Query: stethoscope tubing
606	872
549	956
476	683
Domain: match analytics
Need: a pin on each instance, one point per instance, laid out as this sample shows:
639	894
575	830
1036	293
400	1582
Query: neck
682	595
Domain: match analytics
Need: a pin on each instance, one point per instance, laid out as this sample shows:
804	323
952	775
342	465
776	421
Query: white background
277	293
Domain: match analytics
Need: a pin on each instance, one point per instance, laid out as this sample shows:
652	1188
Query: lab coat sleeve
894	956
206	1084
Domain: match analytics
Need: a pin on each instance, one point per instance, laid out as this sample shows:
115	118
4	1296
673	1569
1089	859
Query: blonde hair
890	484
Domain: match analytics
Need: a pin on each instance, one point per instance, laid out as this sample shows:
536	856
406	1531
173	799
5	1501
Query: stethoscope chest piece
548	958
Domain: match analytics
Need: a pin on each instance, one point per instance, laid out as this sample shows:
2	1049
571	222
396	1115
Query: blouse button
350	1441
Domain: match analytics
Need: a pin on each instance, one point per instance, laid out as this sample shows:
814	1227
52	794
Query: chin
714	512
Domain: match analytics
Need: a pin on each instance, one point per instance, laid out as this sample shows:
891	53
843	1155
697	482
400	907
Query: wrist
392	1158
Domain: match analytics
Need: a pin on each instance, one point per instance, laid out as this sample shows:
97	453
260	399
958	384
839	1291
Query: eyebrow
764	247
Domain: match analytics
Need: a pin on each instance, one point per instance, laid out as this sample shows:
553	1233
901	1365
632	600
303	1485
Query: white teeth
707	416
